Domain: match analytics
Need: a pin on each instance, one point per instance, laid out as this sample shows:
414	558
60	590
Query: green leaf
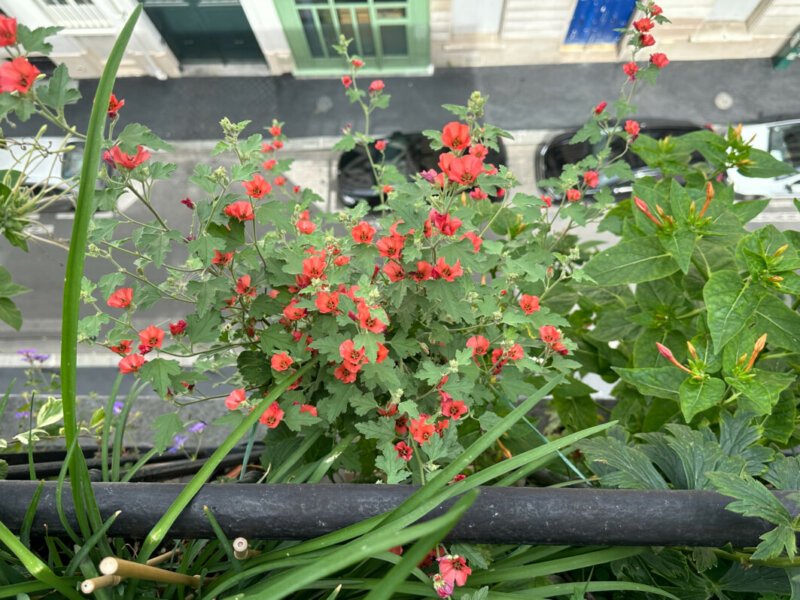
33	40
761	389
765	165
155	244
50	413
90	326
632	469
295	419
204	328
680	244
381	430
57	92
347	143
158	372
631	261
7	287
729	303
392	465
779	322
204	248
662	382
10	314
165	427
784	472
254	368
753	499
136	134
779	426
109	283
747	210
697	396
590	131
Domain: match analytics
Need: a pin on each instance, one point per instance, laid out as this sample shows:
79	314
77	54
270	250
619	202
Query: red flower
632	127
278	144
234	399
177	328
362	233
655	9
152	336
573	195
344	375
326	302
123	348
281	362
341	260
515	352
645	39
389	411
314	267
401	425
241	210
113	106
349	354
659	59
257	187
187	202
293	313
368	322
479	345
420	430
306	226
479	151
549	334
8	31
447	272
268	165
453	409
454	569
387	189
121	298
347	81
529	304
243	286
267	147
126	160
131	363
600	107
280	181
630	70
445	223
220	258
391	246
424	271
394	271
383	352
455	136
478	194
309	408
465	169
17	75
591	178
272	416
376	86
404	451
548	201
644	25
357	63
275	130
476	241
380	145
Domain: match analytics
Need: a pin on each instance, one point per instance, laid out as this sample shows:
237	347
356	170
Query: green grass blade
325	463
139	464
282	471
82	493
160	529
223	541
112	398
62	475
36	567
4	401
119	431
11	591
564	589
90	544
411	558
27	521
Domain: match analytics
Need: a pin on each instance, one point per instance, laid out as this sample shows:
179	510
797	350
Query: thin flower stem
144	201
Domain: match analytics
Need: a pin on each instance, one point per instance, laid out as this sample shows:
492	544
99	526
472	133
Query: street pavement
532	102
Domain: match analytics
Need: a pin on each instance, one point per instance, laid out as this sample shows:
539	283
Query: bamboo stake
95	583
125	568
240	550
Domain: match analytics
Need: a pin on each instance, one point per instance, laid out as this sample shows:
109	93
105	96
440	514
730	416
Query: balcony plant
393	349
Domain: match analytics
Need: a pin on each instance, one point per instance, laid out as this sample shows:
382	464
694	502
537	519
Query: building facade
177	38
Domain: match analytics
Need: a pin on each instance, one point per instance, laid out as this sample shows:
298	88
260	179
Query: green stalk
250	441
36	567
90	544
82	489
112	398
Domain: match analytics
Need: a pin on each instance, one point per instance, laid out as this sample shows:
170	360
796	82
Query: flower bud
691	350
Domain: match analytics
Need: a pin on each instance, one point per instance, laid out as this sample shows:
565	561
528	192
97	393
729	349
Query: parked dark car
557	152
411	153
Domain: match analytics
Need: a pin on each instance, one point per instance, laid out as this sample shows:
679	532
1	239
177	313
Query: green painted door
392	36
205	30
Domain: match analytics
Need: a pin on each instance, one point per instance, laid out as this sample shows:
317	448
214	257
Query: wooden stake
95	583
240	550
125	568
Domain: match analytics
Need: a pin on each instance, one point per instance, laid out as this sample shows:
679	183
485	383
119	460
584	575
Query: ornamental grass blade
563	589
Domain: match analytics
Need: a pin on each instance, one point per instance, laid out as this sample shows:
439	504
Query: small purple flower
22	414
429	175
41	357
179	440
117	409
198	427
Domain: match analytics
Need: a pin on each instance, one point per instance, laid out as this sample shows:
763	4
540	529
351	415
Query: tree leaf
765	165
631	261
136	134
632	469
680	244
165	427
662	382
204	328
57	92
10	314
729	303
761	389
696	396
779	322
158	372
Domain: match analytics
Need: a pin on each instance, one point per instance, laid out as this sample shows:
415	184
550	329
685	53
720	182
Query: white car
782	140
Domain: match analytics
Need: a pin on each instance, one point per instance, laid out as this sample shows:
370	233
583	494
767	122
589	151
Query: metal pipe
500	515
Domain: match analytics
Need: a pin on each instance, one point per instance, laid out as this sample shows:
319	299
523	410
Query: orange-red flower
272	416
453	409
445	223
376	86
448	272
344	375
121	159
420	430
659	59
17	75
241	211
131	363
326	302
234	399
293	313
573	194
404	451
8	31
424	271
257	187
479	345
454	569
220	258
152	336
314	267
394	271
465	169
309	408
529	304
369	322
476	241
644	25
455	136
383	352
113	106
123	348
281	362
243	286
177	328
362	233
630	69
121	298
591	178
391	246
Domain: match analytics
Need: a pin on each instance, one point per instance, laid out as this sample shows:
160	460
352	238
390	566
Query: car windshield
784	143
